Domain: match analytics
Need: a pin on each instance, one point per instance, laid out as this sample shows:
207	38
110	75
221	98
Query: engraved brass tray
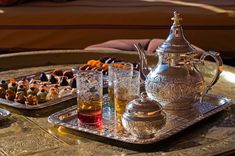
176	121
4	114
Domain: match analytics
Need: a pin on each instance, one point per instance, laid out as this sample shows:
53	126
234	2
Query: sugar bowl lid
176	42
143	108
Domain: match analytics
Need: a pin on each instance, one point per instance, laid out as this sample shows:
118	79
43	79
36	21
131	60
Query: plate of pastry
38	90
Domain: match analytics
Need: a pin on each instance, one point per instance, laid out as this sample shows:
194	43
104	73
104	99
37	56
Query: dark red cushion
12	2
8	2
117	45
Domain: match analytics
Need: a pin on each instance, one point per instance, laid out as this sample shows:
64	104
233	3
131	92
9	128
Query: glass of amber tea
117	69
122	95
126	88
89	96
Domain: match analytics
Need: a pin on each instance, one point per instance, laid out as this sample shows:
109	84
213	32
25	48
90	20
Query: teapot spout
144	69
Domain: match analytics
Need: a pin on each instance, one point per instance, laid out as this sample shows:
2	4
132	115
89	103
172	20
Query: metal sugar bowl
143	117
175	82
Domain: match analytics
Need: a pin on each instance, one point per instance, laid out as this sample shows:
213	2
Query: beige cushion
77	24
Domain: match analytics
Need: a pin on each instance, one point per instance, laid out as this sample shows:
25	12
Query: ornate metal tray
4	114
176	121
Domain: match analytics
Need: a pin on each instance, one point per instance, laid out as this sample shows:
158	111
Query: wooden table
23	134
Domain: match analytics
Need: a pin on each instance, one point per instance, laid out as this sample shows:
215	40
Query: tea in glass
89	96
122	94
126	88
119	69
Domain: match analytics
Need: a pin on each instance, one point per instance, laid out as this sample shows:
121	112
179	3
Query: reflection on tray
4	114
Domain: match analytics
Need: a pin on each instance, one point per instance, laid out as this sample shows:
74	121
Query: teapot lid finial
144	96
176	18
176	42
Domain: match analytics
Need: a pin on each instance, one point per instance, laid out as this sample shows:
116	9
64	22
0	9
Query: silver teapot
176	81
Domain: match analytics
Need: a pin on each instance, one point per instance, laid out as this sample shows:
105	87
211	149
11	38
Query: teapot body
173	85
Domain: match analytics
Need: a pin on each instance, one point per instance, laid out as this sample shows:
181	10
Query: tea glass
135	84
119	69
89	96
126	88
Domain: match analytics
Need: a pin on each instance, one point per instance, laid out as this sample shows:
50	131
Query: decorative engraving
174	92
27	143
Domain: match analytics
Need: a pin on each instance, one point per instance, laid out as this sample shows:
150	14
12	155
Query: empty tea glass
135	84
119	69
89	96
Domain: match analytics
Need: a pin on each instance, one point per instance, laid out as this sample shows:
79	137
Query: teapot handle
144	69
219	69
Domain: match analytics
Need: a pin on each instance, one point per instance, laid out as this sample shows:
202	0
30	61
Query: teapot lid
143	107
176	42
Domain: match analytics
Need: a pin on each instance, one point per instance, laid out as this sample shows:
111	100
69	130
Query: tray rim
38	106
54	119
5	112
